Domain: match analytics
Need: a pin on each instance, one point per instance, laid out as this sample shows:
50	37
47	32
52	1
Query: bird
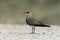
30	20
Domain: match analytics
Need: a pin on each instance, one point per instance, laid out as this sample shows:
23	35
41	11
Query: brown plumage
33	22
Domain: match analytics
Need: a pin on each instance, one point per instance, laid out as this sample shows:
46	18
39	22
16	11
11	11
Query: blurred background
46	11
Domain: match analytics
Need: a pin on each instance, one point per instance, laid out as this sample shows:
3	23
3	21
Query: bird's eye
27	12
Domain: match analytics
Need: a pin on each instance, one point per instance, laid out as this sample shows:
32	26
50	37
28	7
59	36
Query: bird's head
28	14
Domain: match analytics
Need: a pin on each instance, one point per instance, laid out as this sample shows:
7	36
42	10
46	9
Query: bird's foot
32	33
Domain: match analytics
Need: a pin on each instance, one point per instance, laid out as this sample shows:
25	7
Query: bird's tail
43	25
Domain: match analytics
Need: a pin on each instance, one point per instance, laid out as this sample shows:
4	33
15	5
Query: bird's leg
33	30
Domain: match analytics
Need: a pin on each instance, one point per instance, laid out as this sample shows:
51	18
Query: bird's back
32	21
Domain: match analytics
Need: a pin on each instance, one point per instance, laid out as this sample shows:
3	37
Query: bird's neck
29	17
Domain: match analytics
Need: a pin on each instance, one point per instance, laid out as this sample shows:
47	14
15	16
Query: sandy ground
22	32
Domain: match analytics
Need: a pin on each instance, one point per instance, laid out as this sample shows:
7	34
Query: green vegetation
47	11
